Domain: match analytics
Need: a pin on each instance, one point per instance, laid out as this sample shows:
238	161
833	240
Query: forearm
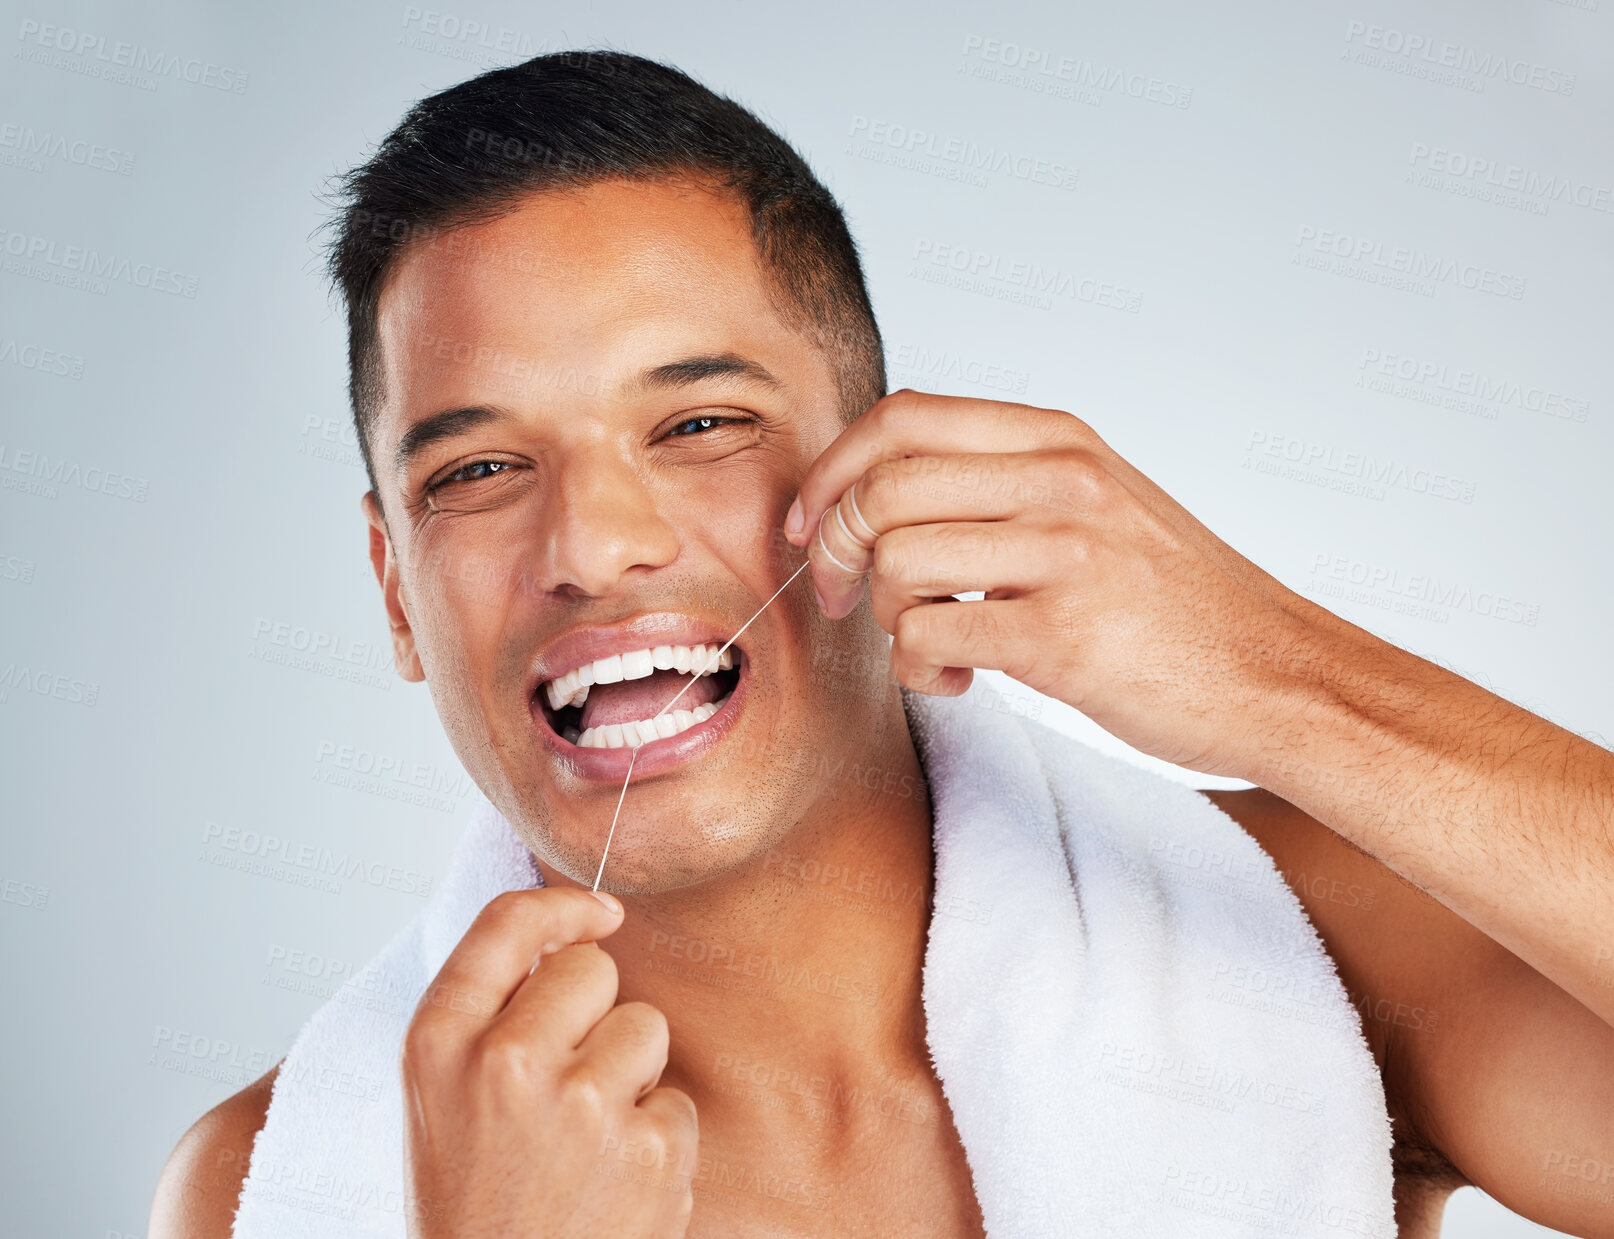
1506	818
1101	591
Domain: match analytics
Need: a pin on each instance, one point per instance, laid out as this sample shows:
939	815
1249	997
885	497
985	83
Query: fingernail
794	520
822	605
610	901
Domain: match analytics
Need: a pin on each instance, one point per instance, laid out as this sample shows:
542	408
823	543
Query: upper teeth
572	688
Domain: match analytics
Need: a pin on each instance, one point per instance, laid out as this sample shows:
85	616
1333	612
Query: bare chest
897	1175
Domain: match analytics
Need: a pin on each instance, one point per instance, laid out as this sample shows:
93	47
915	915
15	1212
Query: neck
797	974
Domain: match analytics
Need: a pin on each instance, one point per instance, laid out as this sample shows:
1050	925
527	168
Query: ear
385	563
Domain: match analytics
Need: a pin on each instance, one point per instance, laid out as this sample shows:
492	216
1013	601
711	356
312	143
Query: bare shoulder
201	1183
1396	947
1493	1074
1378	927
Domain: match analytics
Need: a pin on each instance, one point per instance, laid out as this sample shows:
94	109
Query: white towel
1136	1027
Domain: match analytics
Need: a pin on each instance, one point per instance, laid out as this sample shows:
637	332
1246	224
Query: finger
971	486
934	646
666	1140
672	1112
494	957
917	564
840	565
910	423
914	490
565	997
626	1051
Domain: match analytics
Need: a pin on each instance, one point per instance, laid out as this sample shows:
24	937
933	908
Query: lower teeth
630	735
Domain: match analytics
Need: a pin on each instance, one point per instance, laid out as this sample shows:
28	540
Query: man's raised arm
1103	592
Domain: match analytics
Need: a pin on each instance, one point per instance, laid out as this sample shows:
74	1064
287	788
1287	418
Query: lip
586	644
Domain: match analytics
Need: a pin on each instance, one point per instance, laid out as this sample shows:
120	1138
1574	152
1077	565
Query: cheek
458	612
737	517
743	491
474	566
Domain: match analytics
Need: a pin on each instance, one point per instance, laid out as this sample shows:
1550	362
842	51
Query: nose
604	524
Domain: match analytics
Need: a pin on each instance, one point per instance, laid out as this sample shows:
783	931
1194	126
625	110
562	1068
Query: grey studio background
1337	276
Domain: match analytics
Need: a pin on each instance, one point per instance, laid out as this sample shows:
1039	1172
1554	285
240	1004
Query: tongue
628	701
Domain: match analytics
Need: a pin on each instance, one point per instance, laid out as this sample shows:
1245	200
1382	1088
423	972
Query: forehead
604	274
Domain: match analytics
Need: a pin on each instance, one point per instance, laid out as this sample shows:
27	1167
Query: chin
665	841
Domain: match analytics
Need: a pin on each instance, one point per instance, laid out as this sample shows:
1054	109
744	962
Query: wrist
1336	699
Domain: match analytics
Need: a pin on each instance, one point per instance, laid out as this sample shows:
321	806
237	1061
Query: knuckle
909	677
596	965
957	540
583	1100
1065	427
505	1059
679	1120
1084	480
506	910
422	1050
913	674
583	973
979	625
879	488
657	1137
890	562
898	409
648	1022
930	559
1078	549
1077	462
964	627
912	637
906	546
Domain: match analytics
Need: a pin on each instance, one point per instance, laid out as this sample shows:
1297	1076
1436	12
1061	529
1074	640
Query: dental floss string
623	795
634	756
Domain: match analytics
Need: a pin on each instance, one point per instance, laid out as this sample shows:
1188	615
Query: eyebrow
688	371
685	372
444	425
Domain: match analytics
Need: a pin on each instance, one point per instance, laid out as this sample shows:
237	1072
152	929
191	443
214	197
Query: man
609	337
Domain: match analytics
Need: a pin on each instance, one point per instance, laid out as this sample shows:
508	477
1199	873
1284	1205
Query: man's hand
1101	590
523	1085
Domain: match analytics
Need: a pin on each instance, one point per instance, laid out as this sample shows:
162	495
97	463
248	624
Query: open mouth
617	702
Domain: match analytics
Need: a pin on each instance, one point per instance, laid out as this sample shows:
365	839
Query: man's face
592	424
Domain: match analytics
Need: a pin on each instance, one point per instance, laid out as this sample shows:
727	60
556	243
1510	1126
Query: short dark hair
563	121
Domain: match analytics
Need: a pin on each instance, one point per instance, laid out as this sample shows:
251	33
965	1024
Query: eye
476	485
474	471
699	425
